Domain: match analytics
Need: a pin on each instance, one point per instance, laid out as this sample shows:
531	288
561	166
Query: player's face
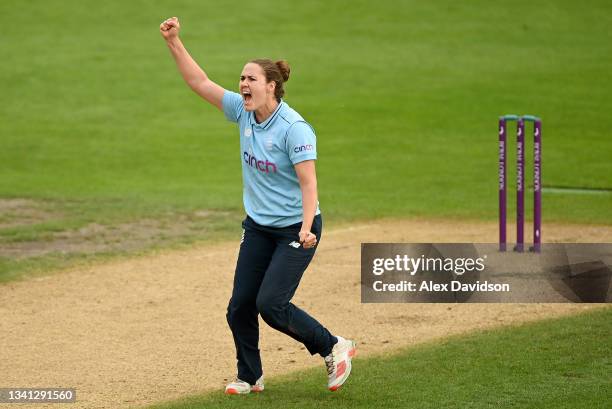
254	89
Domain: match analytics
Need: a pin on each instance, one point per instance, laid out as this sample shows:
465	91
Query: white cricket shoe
239	387
338	363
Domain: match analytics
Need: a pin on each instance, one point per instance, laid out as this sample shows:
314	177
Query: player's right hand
169	28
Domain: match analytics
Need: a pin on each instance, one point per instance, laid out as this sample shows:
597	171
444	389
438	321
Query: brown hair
275	71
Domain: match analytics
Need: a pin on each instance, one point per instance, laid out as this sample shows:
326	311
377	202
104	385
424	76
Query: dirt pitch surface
131	332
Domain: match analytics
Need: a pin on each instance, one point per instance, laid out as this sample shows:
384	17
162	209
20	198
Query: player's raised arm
193	75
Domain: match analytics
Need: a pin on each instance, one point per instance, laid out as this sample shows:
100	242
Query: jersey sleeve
301	142
233	106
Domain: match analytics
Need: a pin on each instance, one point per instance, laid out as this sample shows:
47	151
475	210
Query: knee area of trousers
238	307
229	315
269	309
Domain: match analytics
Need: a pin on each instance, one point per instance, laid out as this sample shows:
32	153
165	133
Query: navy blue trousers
269	269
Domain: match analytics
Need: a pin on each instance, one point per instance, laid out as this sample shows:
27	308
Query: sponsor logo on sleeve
303	148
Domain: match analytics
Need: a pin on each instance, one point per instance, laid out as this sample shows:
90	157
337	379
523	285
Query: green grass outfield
97	124
560	363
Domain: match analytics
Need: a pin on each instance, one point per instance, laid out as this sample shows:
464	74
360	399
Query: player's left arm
307	177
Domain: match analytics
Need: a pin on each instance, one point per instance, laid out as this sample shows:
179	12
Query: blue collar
265	124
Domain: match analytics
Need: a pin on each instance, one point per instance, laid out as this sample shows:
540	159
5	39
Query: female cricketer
283	220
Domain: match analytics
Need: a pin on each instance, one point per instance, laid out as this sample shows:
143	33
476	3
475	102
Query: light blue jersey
268	151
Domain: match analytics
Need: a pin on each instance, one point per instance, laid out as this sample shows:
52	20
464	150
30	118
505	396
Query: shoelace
329	364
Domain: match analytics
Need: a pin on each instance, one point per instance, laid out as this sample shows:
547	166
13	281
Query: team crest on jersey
269	143
248	132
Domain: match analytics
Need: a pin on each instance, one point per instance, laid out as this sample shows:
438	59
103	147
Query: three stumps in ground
520	181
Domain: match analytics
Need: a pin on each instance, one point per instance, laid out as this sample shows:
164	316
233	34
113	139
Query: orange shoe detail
341	369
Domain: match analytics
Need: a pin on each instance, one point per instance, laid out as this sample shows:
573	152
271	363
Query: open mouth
246	95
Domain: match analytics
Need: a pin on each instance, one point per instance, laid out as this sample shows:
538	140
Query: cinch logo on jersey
263	166
302	148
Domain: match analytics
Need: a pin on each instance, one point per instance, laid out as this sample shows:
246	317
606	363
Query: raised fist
169	28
